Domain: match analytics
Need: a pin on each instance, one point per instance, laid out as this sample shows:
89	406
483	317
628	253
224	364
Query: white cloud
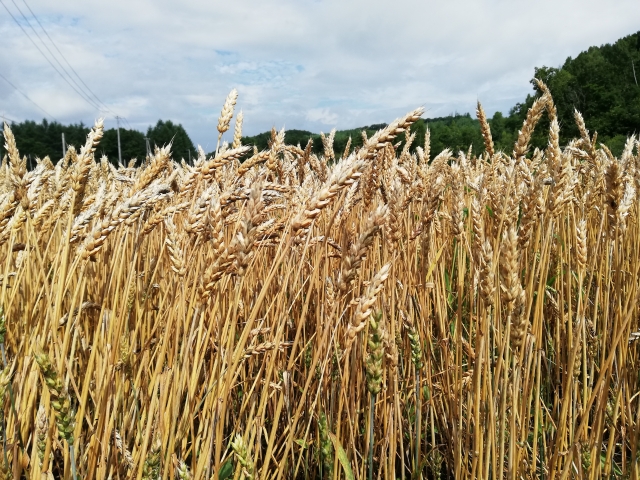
301	63
322	115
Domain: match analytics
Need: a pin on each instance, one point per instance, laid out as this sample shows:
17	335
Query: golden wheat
254	314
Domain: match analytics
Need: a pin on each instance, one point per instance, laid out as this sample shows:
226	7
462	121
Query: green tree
38	140
456	132
165	132
600	84
132	145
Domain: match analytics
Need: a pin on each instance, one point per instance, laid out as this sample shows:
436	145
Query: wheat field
378	313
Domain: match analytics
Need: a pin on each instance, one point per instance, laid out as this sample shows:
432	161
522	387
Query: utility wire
65	58
84	94
127	122
47	58
8	119
25	96
79	90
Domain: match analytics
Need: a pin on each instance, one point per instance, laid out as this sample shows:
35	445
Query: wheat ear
79	176
365	305
486	130
241	452
237	131
524	135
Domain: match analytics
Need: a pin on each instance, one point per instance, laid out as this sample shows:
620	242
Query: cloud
271	73
305	64
322	115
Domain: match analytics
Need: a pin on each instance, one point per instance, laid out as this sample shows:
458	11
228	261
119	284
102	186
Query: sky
305	64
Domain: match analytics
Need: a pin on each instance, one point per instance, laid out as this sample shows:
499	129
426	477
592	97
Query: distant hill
456	132
302	137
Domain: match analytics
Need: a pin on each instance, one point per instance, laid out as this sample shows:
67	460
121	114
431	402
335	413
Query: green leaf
342	456
616	469
226	470
447	280
433	264
489	210
302	443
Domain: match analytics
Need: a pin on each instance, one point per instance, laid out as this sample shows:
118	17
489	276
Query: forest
38	140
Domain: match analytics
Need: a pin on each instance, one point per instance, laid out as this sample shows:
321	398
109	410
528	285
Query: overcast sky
306	64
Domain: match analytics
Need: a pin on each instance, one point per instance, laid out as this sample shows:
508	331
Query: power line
8	119
85	96
47	58
64	58
83	91
127	122
25	96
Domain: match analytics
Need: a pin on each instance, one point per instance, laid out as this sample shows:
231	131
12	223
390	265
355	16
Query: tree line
38	140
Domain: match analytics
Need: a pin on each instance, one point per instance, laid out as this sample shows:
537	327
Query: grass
385	314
